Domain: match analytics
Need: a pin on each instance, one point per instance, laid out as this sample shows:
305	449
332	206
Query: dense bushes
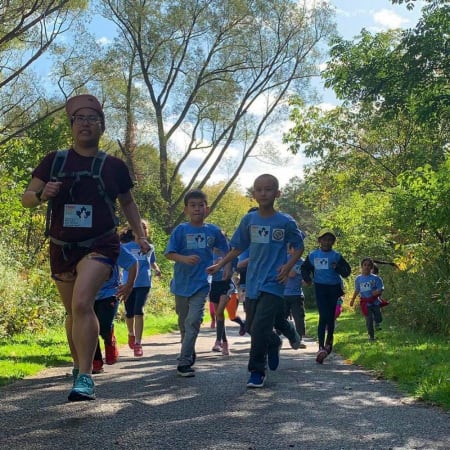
30	301
421	300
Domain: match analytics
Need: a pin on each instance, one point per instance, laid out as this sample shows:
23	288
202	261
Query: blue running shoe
83	389
273	356
256	380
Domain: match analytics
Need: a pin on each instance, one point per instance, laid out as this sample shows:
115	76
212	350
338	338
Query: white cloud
388	19
103	41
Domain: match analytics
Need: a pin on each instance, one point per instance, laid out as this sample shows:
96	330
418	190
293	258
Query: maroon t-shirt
84	196
116	178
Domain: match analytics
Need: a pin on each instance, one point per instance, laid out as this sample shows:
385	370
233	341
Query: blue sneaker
83	389
256	380
273	356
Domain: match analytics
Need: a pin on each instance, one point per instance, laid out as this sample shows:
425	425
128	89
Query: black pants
295	305
326	299
373	315
262	316
105	310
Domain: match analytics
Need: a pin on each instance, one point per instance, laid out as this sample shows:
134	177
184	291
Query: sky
351	17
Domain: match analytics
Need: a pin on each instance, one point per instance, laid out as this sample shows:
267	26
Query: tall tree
389	139
29	32
218	72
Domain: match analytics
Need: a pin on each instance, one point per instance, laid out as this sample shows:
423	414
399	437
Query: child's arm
232	254
343	267
352	301
379	287
185	259
307	269
283	271
124	290
243	264
156	268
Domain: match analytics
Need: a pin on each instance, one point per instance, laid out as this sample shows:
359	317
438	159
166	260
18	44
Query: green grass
417	363
27	354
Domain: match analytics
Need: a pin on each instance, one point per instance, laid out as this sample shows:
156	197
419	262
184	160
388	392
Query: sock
220	329
239	321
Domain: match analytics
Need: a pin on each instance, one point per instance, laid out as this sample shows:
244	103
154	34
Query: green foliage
421	298
28	353
379	170
293	201
232	207
29	298
422	196
415	361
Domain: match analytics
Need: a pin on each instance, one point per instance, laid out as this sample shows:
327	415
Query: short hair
268	175
369	260
126	235
195	194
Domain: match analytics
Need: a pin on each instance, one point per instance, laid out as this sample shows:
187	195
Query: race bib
196	240
320	263
365	286
78	216
260	234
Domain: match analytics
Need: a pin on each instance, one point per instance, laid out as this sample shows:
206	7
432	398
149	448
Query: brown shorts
62	262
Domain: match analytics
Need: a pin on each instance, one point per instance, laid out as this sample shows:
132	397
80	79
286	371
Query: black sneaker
185	371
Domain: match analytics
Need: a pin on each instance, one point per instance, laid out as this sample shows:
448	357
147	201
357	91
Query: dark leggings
105	310
326	300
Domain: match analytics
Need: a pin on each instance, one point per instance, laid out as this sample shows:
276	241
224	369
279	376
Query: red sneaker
131	339
138	352
97	366
111	351
321	355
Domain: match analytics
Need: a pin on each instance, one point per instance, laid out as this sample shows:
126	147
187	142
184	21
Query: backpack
56	173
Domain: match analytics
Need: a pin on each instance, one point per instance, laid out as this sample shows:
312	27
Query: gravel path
142	404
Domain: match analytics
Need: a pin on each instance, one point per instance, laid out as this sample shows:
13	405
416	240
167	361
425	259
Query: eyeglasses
91	120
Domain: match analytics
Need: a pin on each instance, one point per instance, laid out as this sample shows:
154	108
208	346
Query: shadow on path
142	404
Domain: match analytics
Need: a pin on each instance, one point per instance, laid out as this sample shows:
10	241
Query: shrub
30	301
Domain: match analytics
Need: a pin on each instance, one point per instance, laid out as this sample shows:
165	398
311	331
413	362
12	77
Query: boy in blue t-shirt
266	233
327	266
369	287
191	246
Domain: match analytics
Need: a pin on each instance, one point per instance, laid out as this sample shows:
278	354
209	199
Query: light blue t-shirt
189	240
219	274
323	262
144	275
293	285
365	284
267	239
125	261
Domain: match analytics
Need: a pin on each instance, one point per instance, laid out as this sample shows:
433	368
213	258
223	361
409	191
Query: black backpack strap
96	172
58	163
